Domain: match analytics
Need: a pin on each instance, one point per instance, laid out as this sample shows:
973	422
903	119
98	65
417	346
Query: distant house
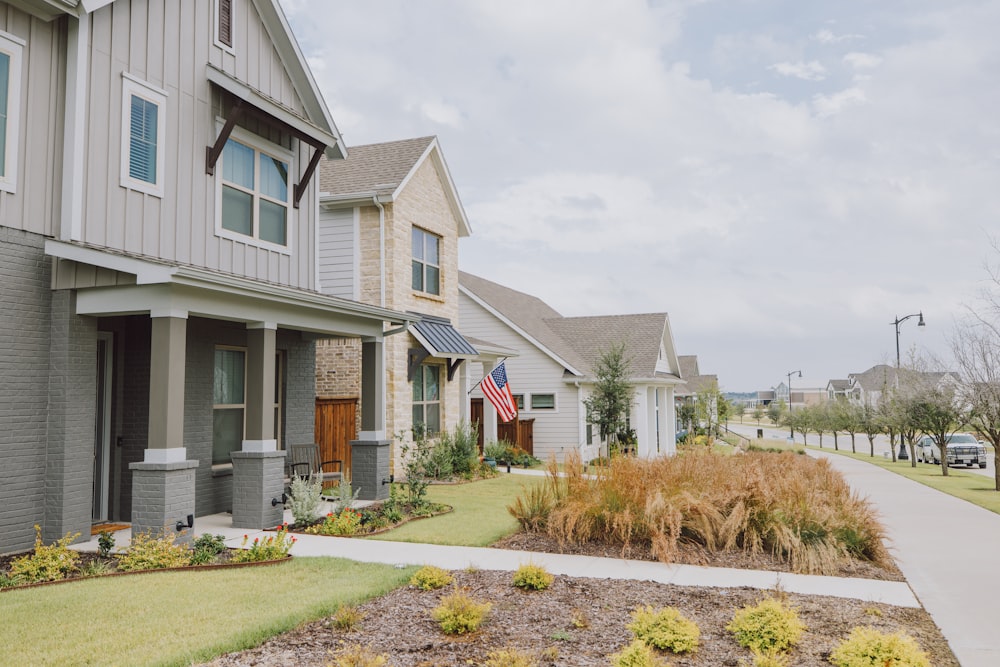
554	370
389	228
838	389
868	387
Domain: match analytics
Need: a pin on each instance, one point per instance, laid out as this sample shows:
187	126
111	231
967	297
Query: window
519	401
224	24
143	136
426	266
427	398
254	198
229	402
229	398
11	49
543	401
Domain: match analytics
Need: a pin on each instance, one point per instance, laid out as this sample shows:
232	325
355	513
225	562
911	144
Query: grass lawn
176	618
480	517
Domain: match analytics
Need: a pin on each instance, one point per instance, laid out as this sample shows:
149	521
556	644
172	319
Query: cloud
831	105
859	60
828	37
807	71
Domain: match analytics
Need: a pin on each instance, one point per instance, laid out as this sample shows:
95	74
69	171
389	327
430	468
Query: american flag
496	388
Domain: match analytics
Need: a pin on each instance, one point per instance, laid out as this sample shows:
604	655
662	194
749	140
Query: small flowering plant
346	522
272	547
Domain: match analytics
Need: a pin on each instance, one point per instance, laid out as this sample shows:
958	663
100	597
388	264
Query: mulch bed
577	621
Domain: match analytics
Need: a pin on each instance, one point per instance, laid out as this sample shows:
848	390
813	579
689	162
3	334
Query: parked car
962	449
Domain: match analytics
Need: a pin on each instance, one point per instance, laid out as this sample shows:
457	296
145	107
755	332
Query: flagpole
484	377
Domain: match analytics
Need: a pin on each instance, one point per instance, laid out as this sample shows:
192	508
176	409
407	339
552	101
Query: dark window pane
237	211
227	434
272	222
418	276
433	280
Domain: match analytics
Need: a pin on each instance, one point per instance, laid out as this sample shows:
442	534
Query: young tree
610	401
871	425
938	411
775	410
976	349
757	413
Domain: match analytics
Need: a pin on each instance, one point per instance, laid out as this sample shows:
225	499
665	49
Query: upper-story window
426	265
254	198
224	24
143	135
10	104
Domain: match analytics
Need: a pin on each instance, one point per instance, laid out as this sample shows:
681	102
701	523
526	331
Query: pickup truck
962	449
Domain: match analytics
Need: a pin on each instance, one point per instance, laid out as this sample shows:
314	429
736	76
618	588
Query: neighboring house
158	217
554	370
869	387
695	383
390	223
838	389
801	392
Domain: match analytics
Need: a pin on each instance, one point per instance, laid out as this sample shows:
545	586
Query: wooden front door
336	426
476	414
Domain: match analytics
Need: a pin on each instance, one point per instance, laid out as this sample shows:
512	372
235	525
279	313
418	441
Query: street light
789	374
903	456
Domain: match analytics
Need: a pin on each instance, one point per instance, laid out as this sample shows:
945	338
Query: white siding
338	253
556	431
34	205
168	43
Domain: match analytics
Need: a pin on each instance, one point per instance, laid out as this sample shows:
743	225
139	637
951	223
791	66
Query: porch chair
305	460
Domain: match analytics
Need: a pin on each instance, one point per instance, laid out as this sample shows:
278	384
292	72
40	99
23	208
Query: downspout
381	249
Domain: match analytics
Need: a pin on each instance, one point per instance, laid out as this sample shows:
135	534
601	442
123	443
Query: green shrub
767	627
637	654
304	497
359	656
105	543
344	494
272	547
770	659
666	629
509	657
430	578
346	522
495	450
48	562
206	548
458	614
153	553
347	617
867	647
532	578
96	568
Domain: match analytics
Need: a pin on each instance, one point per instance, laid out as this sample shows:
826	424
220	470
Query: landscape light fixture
903	456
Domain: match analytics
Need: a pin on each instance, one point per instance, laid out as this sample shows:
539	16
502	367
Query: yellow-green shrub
153	553
867	647
769	659
48	562
430	578
666	629
767	627
459	614
359	656
637	654
532	577
509	657
347	617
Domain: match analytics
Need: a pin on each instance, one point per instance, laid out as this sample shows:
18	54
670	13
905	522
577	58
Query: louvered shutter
226	22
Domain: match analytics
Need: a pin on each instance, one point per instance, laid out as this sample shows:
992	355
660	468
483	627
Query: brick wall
24	367
338	368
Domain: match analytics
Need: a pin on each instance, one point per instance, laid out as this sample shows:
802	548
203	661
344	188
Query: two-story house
390	223
553	374
158	244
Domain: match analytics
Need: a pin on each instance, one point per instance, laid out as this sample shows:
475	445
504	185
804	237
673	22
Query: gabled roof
839	385
688	364
382	170
875	378
575	342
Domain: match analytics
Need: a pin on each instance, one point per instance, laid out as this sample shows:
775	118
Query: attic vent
226	22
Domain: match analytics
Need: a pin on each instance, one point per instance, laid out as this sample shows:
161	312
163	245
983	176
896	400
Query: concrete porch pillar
163	482
258	470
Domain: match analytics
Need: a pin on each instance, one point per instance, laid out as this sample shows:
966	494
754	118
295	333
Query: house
838	389
554	371
158	225
870	386
695	383
390	223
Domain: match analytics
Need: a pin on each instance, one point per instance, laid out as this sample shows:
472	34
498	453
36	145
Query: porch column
163	482
668	409
258	470
371	453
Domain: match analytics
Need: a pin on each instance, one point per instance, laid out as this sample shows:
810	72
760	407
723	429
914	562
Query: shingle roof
875	378
378	168
688	365
579	341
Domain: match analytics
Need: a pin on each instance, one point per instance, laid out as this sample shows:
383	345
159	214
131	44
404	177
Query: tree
977	352
938	411
871	425
775	410
687	415
610	401
757	413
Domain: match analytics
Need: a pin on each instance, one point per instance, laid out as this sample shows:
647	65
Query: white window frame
280	363
230	406
259	145
14	48
132	86
424	263
232	24
531	402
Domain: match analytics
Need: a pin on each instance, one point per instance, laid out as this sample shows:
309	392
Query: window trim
424	263
229	406
13	46
280	365
555	402
217	22
424	403
259	145
133	87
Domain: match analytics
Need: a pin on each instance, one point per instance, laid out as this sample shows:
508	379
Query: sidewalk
946	548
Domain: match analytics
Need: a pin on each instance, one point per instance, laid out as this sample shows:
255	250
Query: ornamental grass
797	508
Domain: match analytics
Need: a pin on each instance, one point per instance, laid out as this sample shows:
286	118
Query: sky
784	178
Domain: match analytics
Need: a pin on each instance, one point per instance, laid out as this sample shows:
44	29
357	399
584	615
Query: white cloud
831	105
859	60
807	71
828	37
